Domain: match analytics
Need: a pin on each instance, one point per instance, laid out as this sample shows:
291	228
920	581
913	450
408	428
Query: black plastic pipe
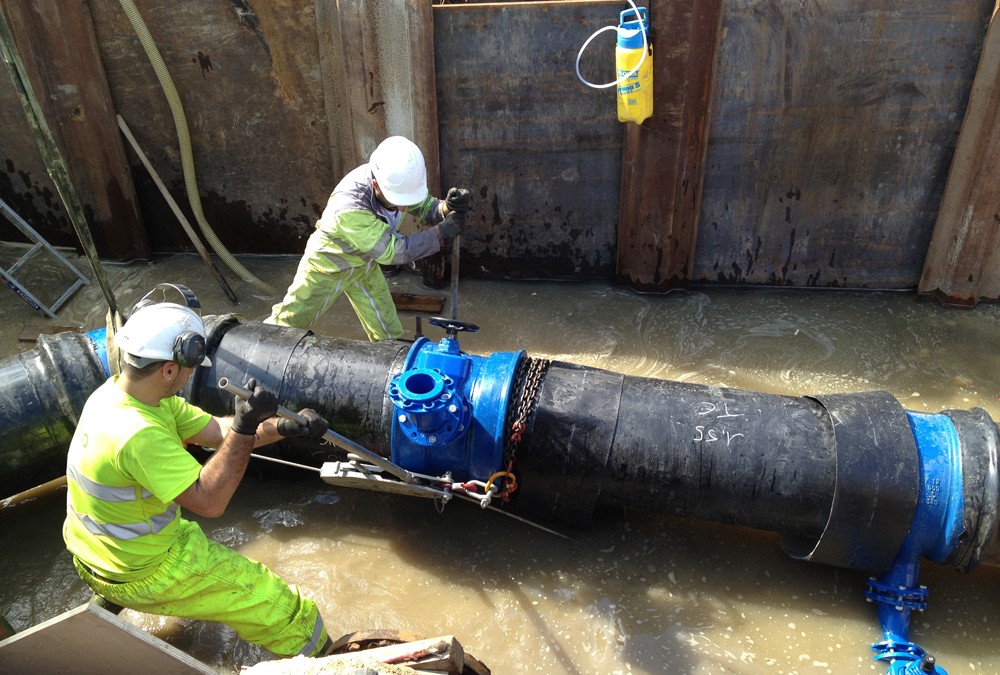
42	392
836	476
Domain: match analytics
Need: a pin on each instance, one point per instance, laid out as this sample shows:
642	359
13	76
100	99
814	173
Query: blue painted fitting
450	408
430	408
99	339
934	534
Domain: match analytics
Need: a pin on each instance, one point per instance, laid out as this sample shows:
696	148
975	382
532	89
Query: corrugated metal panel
963	262
833	128
540	151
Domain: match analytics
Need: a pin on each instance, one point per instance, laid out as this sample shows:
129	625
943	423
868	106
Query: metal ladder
39	244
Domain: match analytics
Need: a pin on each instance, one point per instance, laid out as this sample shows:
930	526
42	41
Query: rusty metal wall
833	130
60	88
540	151
247	76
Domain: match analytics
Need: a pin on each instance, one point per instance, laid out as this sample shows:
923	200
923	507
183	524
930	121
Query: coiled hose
184	140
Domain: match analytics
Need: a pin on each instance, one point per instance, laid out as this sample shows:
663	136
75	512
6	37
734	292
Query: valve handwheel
453	326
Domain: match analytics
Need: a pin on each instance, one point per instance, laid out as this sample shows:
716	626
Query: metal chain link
527	382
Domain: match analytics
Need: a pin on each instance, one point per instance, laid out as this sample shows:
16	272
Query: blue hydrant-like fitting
934	533
431	408
450	408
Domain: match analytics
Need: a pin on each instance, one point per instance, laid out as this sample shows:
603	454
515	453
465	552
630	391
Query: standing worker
128	473
358	231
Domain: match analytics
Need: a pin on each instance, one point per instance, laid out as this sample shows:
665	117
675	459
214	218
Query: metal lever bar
330	435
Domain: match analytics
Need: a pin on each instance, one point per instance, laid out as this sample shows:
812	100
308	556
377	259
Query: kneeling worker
129	473
358	232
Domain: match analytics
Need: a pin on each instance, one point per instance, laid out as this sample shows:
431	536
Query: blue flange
934	533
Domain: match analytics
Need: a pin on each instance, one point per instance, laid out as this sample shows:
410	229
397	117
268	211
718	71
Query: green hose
184	139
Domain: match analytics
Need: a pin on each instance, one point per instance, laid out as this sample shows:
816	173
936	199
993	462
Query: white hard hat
163	331
398	166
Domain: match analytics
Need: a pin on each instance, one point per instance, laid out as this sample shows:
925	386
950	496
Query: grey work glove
314	427
458	200
250	412
451	226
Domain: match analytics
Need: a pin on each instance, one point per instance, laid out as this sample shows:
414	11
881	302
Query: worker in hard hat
129	475
358	232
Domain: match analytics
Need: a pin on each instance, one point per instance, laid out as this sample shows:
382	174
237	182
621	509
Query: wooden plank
663	160
31	331
383	85
89	639
57	44
413	302
963	259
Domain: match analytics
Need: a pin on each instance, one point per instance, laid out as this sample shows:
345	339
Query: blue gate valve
431	408
450	408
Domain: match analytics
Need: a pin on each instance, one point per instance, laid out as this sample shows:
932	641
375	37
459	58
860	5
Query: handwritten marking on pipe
706	408
712	435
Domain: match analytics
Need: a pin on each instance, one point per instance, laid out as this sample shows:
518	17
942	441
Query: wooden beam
963	260
663	159
378	68
413	302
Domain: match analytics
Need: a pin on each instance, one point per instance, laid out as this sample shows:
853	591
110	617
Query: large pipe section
42	392
838	477
851	480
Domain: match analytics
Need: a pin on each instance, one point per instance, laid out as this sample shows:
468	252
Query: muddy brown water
636	592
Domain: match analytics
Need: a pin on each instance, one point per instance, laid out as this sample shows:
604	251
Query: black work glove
250	412
458	200
451	226
314	427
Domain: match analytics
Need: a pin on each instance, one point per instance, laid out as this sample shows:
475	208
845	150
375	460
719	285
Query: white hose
645	48
184	140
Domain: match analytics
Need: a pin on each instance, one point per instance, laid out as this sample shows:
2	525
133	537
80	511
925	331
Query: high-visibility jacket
126	464
355	229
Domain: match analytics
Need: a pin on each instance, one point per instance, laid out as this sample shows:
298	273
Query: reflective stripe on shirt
110	494
105	493
128	530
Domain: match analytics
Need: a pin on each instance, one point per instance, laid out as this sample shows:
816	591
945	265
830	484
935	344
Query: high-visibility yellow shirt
126	464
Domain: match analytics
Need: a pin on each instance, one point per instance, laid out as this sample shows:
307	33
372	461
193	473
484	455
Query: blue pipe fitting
449	410
99	341
935	532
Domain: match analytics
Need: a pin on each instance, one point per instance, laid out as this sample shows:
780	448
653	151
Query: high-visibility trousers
314	289
202	579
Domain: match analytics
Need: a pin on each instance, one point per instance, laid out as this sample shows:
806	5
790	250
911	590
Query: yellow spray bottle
634	62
